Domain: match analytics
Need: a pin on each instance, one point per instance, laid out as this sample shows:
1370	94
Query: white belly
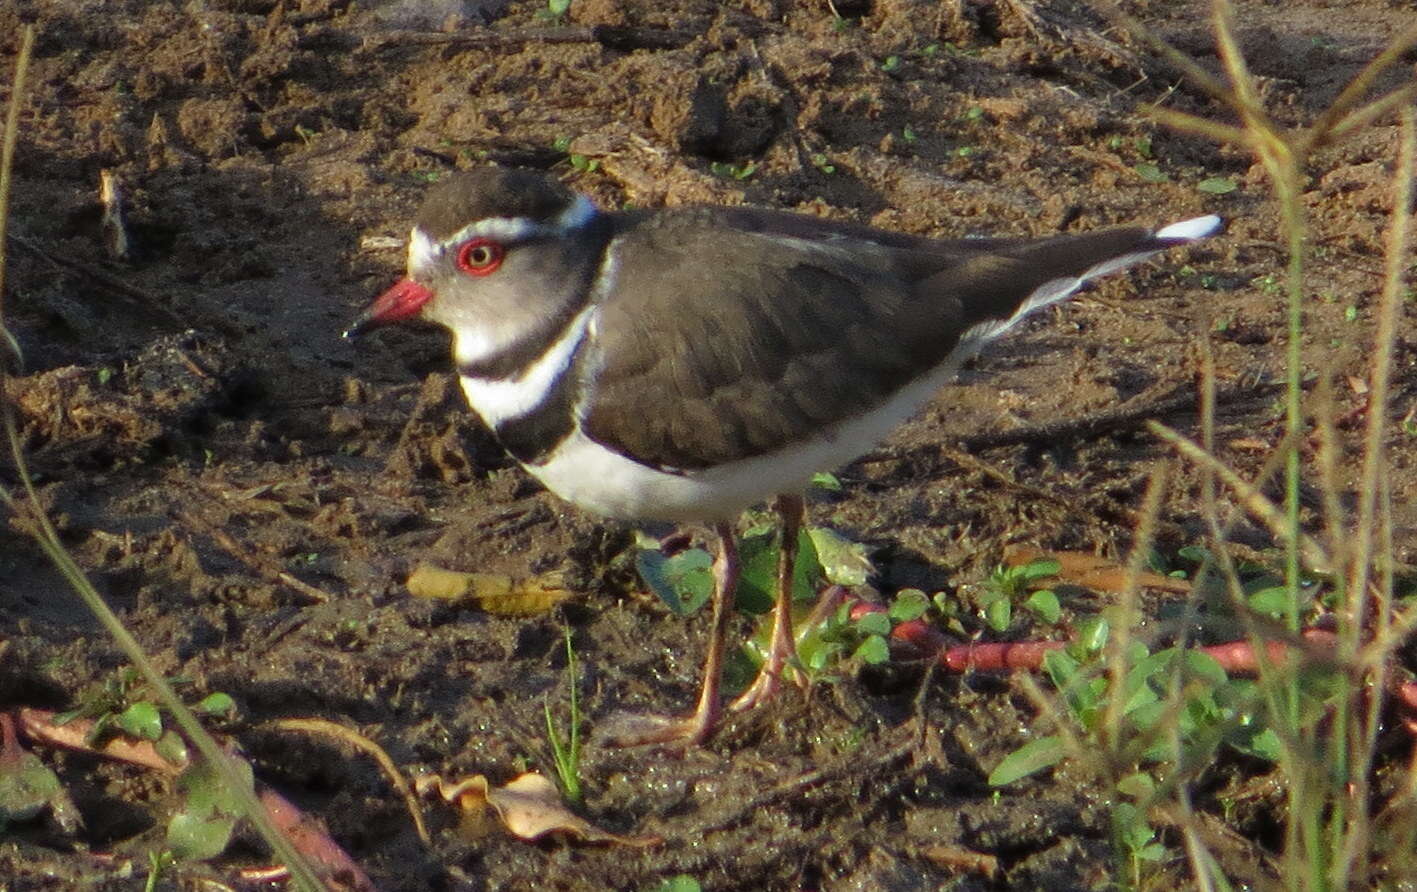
597	479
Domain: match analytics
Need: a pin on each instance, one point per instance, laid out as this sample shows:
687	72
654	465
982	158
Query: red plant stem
1235	657
311	840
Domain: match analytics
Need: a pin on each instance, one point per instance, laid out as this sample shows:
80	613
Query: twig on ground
370	748
257	563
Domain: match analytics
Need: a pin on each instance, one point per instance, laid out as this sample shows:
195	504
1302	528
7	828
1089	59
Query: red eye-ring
479	256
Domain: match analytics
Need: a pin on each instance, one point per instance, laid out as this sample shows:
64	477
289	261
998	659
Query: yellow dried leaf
427	581
1088	571
529	807
494	592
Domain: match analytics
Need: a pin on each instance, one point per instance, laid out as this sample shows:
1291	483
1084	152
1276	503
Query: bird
683	364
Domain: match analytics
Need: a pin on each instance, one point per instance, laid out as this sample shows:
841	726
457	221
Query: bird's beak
402	301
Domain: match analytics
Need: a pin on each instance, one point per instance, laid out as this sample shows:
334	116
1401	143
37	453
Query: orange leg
693	729
783	648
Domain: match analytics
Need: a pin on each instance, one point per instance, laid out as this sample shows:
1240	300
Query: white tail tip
1190	230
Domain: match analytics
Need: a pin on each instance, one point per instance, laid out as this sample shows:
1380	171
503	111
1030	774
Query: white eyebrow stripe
515	229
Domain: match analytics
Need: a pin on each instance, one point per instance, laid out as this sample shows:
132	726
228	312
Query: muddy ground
198	427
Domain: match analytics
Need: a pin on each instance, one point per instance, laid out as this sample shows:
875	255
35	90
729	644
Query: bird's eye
479	256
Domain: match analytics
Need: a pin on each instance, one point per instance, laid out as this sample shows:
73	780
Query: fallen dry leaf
529	807
1089	571
1248	444
962	860
493	592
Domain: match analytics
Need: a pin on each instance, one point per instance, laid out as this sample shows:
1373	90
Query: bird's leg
693	729
782	648
725	588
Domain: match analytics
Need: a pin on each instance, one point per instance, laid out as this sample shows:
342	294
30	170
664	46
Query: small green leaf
203	826
683	582
874	624
1203	666
758	556
1195	553
1035	570
843	562
1152	852
197	838
682	883
558	8
172	747
1262	743
1093	633
1150	172
827	481
27	787
1031	758
141	720
873	651
1217	185
909	603
218	704
999	613
1061	667
1045	604
1139	786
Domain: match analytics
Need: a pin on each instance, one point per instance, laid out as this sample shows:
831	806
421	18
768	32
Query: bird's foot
765	687
624	729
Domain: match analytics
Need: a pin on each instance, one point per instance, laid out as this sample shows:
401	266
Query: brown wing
720	343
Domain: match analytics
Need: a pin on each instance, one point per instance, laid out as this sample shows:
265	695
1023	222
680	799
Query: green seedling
731	171
555	10
566	749
123	705
1217	186
823	163
1009	587
1269	283
891	64
159	862
1177	708
1151	172
1135	839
